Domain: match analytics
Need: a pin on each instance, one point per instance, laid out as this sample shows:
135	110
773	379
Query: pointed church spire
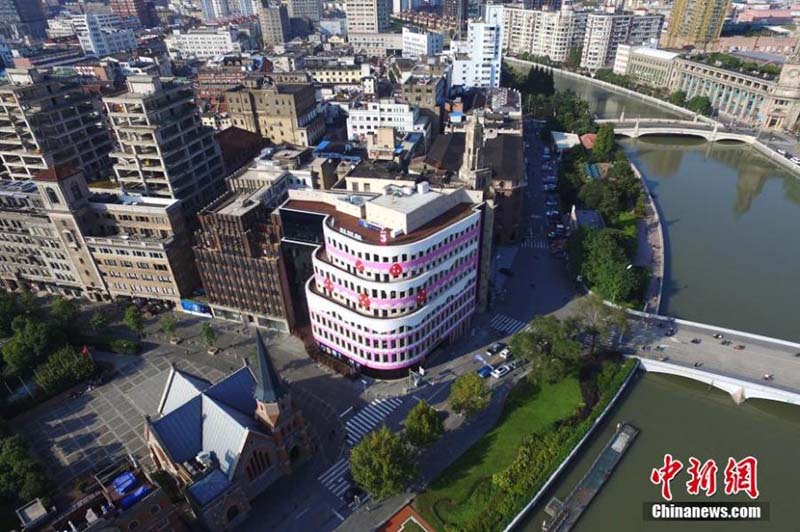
268	386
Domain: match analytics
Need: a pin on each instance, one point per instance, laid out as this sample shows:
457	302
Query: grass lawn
626	222
450	496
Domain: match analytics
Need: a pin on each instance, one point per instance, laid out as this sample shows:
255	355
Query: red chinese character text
742	476
703	477
665	474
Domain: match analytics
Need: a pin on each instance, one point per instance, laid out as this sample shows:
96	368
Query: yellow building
695	23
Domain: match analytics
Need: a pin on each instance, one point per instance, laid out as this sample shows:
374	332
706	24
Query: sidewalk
650	251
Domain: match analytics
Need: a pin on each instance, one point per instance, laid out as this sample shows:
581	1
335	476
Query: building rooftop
656	54
503	155
56	173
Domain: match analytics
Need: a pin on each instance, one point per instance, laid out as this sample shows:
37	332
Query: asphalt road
758	358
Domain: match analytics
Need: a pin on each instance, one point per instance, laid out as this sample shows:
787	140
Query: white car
500	372
505	353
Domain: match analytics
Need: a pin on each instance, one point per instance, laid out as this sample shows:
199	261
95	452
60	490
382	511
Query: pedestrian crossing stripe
369	418
507	324
534	243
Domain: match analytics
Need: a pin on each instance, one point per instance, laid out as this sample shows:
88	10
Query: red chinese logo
703	477
395	269
364	301
328	284
741	476
665	474
360	266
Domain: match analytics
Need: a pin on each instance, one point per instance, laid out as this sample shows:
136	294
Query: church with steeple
225	443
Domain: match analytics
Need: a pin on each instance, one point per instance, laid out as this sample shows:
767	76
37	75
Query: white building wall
481	68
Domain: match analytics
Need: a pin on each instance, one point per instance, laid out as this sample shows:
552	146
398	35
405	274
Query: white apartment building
417	42
203	43
606	31
377	44
543	33
477	61
60	27
368	16
367	117
101	34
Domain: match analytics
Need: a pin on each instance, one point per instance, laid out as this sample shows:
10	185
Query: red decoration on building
422	297
396	270
364	301
328	284
359	266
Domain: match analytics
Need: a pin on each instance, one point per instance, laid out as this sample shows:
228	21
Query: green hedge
114	345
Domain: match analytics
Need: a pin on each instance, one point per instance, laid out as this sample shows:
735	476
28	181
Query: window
52	196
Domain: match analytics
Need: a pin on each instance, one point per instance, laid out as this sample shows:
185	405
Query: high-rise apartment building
695	23
48	120
477	64
102	35
418	42
310	9
455	11
275	26
368	16
606	31
543	33
280	112
163	150
22	18
214	9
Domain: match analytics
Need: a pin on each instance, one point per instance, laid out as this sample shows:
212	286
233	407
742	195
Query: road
757	359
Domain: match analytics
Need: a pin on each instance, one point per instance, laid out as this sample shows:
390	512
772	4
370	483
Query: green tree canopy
550	345
700	104
64	368
63	311
133	319
600	194
31	342
606	265
599	320
208	334
98	321
468	394
168	324
423	425
21	477
604	143
677	98
8	311
382	463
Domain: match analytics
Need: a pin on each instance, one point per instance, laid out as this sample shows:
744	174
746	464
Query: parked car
485	371
549	187
505	353
495	348
175	340
500	372
517	362
795	160
781	152
213	350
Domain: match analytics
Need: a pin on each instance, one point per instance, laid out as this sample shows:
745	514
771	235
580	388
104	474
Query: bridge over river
712	132
693	352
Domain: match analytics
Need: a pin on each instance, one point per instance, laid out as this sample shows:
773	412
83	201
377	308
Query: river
731	216
732	258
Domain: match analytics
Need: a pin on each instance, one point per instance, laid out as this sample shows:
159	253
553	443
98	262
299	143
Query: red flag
85	350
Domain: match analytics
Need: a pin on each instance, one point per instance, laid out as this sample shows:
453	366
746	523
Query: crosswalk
534	243
507	324
369	418
337	477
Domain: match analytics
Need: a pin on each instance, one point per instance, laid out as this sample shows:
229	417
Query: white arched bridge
639	127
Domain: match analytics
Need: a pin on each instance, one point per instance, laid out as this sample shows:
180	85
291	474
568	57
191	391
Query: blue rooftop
209	487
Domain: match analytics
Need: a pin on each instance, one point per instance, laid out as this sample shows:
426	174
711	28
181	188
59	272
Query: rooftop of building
56	173
419	208
504	155
236	204
447	151
656	53
110	199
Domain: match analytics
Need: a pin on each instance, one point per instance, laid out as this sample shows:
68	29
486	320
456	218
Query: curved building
397	274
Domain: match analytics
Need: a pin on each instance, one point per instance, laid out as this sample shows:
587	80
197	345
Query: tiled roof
209	487
180	388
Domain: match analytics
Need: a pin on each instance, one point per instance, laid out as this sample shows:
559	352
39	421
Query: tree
606	265
208	334
423	425
677	98
63	311
133	319
64	368
8	311
168	324
468	394
98	321
604	143
599	320
700	104
31	342
382	463
28	302
573	60
548	338
21	477
600	194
